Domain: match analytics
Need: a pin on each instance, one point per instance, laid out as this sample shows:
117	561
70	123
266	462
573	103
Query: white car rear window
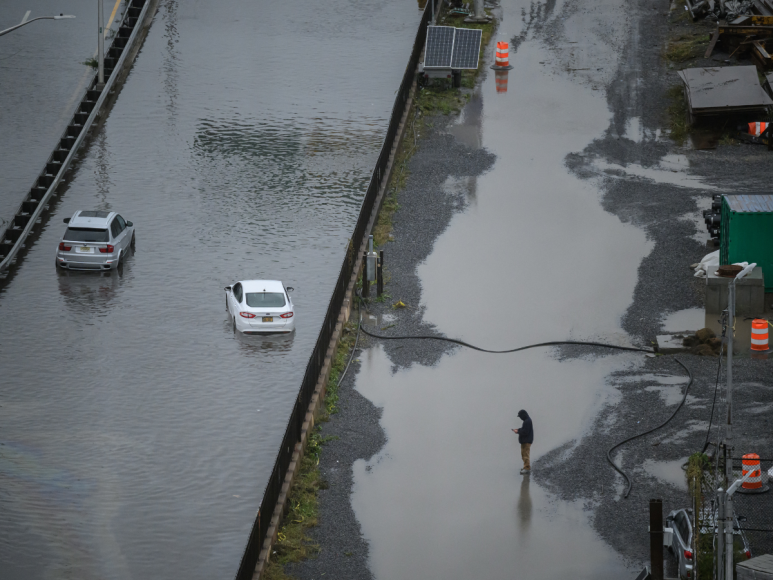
265	299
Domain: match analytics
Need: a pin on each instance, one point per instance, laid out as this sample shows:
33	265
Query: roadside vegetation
293	543
679	124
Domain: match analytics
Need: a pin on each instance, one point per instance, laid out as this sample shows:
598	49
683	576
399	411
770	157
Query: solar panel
440	42
466	48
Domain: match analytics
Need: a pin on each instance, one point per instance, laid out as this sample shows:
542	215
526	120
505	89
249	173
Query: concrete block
759	568
670	343
749	295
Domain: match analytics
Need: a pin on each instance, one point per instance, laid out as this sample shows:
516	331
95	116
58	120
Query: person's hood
523	415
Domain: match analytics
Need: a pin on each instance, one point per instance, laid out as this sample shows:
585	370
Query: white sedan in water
260	307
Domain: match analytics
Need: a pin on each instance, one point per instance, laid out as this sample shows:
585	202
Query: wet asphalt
647	181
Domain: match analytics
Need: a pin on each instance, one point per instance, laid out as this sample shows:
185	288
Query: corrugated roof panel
750	203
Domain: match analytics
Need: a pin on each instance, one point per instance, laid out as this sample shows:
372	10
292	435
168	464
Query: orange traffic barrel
759	334
756	129
503	57
501	80
751	462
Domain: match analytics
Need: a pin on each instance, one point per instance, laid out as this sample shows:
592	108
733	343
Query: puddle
634	130
669	171
667	471
670	395
701	233
443	498
690	319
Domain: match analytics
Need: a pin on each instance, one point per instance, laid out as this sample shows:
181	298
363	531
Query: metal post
696	501
729	565
365	281
380	274
720	527
433	12
100	47
656	539
729	427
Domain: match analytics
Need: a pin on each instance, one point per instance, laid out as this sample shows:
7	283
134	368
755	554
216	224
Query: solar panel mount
452	48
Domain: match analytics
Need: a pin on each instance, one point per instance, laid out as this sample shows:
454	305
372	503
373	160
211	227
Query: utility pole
720	525
729	426
100	47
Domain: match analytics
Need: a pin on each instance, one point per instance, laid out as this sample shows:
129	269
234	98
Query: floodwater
444	499
136	431
43	79
689	319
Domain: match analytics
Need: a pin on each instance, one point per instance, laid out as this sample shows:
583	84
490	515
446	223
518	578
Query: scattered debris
726	90
399	304
702	267
704	343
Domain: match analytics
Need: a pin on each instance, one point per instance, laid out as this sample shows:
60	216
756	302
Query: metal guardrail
316	361
130	24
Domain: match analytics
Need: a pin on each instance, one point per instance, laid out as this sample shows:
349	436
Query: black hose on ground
716	386
468	345
663	424
354	348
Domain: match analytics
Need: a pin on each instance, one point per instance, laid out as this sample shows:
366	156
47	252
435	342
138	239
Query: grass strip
293	543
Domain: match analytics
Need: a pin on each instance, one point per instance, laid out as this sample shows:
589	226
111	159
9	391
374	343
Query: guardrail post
380	274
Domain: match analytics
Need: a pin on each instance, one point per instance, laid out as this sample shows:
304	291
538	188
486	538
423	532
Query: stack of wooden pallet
748	35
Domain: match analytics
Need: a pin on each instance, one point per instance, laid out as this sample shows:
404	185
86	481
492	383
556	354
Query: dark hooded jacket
526	432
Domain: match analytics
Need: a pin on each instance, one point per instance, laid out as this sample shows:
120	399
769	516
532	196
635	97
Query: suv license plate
84	250
268	319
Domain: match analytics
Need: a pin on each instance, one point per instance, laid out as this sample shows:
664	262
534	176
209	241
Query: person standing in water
525	438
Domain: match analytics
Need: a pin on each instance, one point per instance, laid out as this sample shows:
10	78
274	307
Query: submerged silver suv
95	240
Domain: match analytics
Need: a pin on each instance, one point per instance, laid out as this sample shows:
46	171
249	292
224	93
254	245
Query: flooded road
540	261
136	431
42	79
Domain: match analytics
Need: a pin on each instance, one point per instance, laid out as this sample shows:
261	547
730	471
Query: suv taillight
286	315
246	315
108	250
688	554
63	248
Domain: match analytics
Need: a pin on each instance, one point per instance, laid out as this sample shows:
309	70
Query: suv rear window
86	235
265	299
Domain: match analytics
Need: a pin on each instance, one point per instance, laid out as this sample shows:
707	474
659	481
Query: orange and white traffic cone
503	57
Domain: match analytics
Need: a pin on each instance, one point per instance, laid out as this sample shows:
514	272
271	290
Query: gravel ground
425	211
648	394
665	285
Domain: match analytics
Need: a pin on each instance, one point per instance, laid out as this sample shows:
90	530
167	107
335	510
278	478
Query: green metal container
747	232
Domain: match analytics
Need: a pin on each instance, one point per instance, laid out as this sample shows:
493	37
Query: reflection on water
272	343
524	508
142	429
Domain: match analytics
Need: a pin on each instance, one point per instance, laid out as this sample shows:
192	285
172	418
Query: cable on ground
716	386
354	348
520	348
611	449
